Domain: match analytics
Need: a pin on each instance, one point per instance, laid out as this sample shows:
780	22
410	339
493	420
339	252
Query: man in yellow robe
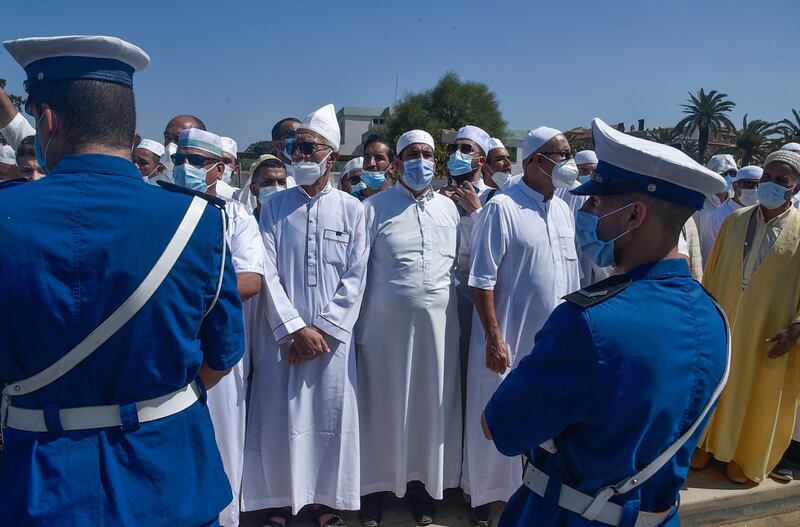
754	273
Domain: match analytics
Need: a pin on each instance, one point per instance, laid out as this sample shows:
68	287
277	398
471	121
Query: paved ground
709	499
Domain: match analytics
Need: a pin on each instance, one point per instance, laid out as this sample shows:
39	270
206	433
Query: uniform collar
97	164
673	267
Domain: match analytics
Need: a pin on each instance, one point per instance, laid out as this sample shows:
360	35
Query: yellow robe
754	419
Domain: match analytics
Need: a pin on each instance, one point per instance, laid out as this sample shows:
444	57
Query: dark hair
382	140
90	111
25	147
276	130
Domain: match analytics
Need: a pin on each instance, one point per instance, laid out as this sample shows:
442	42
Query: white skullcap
722	163
749	173
229	146
585	157
200	139
153	146
791	147
494	143
414	136
473	133
7	155
536	139
324	122
353	164
785	156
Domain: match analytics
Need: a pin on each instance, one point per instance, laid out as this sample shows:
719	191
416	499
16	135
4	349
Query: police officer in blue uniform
615	395
119	308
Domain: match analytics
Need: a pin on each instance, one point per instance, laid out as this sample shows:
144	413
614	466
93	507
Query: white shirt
224	190
16	130
244	240
713	224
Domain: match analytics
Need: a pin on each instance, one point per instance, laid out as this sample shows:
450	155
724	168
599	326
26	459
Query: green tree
449	105
689	147
790	129
259	148
706	112
665	136
752	141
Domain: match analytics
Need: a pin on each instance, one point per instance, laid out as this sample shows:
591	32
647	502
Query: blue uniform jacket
615	384
74	245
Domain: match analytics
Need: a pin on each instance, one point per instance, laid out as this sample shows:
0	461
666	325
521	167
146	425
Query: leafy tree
705	112
752	141
259	148
690	147
449	105
665	136
578	142
790	129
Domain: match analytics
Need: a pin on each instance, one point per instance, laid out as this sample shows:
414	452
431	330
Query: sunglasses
305	147
464	148
196	160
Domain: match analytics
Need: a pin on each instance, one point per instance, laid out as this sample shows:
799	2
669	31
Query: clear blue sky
242	65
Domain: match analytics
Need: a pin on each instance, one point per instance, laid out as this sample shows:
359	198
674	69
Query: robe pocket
568	247
447	240
334	246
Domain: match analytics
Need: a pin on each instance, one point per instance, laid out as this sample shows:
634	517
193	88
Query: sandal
334	521
284	513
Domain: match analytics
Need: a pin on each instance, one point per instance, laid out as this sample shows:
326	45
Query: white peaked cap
791	147
414	136
749	173
353	164
229	146
585	157
494	143
631	164
7	155
722	163
324	122
473	133
536	139
153	146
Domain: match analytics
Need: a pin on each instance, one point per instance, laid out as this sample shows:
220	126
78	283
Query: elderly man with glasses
523	261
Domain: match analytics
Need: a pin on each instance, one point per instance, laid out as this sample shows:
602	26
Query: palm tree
705	112
790	129
689	147
752	140
665	136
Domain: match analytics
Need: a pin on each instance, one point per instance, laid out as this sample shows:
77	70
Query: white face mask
564	173
265	192
748	196
501	179
308	172
227	173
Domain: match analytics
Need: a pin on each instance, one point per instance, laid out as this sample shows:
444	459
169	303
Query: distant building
355	122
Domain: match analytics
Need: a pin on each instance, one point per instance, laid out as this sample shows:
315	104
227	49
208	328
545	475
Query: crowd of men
180	350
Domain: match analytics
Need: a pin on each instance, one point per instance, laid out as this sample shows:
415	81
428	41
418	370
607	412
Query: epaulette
172	187
599	292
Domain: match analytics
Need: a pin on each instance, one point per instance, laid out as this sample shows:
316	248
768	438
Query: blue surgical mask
356	189
600	251
37	148
459	164
584	179
417	173
771	195
728	182
190	177
374	180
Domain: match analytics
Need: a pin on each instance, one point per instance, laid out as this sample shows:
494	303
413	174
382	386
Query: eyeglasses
566	154
196	160
464	148
305	147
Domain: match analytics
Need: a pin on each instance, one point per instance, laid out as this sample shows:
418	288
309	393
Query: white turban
473	133
586	157
324	122
494	143
153	146
353	164
791	147
749	173
7	155
536	139
229	146
414	136
722	163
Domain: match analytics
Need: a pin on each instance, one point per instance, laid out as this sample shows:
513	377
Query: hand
466	196
448	191
307	344
497	354
784	341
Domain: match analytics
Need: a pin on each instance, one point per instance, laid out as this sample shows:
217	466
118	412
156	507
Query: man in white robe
230	152
523	262
496	170
408	363
745	194
302	444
